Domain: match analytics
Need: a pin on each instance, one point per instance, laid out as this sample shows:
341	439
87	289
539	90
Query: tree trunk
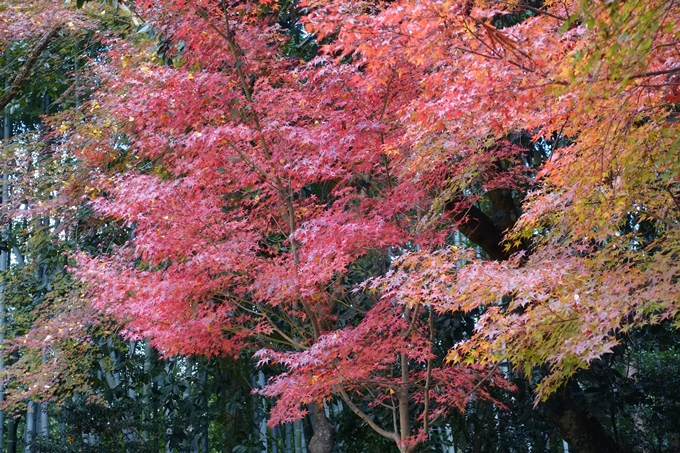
30	427
203	401
260	407
44	430
276	435
12	426
583	432
146	389
298	436
477	435
322	440
4	264
289	436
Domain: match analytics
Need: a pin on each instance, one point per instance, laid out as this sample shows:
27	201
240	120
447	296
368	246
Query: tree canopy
413	207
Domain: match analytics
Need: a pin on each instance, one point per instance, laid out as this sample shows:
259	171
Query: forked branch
362	415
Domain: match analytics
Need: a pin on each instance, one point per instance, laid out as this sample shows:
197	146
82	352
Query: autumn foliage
252	181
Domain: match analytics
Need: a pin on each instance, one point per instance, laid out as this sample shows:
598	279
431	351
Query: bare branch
655	73
362	415
28	66
294	343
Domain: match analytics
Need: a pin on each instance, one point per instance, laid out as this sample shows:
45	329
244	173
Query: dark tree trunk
476	435
12	426
479	228
322	440
566	409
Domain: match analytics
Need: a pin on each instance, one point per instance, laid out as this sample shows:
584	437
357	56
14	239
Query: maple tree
254	181
229	247
60	356
227	237
603	80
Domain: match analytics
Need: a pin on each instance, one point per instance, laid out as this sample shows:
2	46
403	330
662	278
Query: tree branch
412	324
362	415
228	36
478	228
32	59
655	73
293	343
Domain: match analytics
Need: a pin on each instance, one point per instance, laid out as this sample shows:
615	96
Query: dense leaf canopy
253	177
